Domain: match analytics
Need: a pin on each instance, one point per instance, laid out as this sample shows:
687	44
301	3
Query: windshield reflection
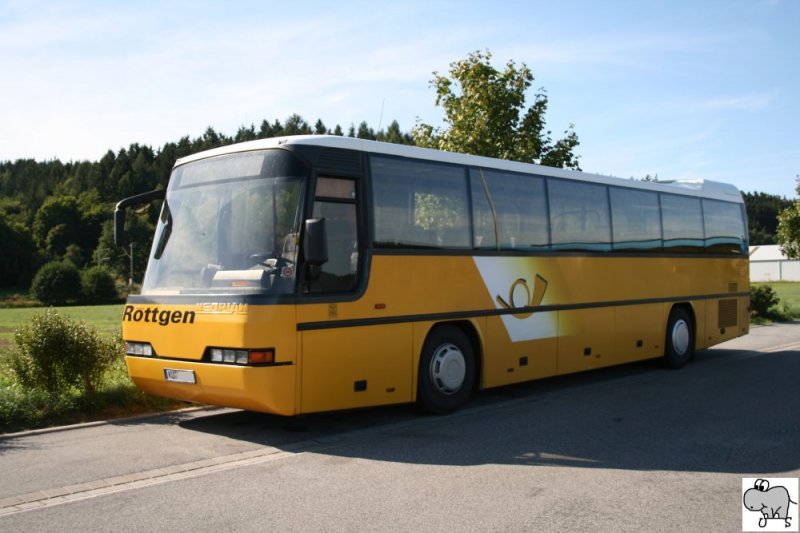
226	227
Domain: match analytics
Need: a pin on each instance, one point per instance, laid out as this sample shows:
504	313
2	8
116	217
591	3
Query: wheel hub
448	368
680	337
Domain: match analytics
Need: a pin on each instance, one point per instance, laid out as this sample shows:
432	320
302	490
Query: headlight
143	349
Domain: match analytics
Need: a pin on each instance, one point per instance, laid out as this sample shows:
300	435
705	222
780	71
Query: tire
446	371
679	344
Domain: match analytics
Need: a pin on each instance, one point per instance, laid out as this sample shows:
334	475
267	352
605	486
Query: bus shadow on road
725	412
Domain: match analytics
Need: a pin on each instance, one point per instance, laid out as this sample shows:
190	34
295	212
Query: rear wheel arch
449	367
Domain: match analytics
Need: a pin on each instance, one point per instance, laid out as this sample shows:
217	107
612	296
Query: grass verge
788	307
22	408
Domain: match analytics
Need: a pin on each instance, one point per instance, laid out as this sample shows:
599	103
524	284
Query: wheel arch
469	328
471	331
690	310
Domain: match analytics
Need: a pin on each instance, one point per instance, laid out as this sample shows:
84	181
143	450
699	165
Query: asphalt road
632	448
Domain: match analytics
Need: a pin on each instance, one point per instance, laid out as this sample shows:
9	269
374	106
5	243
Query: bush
98	286
55	353
762	299
57	283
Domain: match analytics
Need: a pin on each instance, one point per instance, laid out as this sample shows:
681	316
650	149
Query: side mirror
139	199
315	242
119	225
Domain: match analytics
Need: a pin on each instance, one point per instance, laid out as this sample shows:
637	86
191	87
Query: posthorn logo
769	504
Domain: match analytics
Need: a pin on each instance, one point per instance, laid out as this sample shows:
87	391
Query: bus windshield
229	225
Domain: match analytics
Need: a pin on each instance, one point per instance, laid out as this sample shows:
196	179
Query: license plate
179	376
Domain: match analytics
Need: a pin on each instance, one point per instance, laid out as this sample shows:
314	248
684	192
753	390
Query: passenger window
419	204
635	219
724	226
485	236
521	208
683	222
579	215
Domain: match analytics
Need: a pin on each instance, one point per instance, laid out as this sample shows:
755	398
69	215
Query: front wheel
446	371
680	338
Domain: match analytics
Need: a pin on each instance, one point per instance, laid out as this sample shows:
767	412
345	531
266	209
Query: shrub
762	299
56	283
54	353
98	286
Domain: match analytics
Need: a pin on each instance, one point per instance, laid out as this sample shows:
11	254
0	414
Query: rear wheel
446	371
679	343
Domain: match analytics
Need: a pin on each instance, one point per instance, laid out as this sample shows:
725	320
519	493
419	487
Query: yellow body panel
356	367
529	317
267	389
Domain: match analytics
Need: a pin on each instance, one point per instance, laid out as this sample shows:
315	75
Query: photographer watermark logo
769	504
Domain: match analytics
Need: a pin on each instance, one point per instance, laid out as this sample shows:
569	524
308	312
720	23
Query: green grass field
107	319
789	293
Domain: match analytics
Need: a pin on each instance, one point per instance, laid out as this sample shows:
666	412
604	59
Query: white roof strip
695	187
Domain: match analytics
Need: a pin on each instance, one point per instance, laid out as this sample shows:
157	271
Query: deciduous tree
485	114
789	227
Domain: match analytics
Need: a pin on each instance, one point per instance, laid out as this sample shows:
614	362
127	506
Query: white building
767	263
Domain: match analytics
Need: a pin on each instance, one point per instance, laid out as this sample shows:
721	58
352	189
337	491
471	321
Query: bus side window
579	215
724	227
682	218
420	204
635	219
521	208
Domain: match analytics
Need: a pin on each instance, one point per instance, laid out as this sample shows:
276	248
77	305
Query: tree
319	127
17	251
395	136
57	224
57	283
296	125
97	286
485	115
762	216
365	132
789	227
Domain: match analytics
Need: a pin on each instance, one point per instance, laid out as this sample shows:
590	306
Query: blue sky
678	89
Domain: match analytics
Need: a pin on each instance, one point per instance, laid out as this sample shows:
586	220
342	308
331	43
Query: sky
675	89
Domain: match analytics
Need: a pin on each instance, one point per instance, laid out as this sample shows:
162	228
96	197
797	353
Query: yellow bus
315	273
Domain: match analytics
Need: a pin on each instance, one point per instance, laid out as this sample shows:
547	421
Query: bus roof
693	187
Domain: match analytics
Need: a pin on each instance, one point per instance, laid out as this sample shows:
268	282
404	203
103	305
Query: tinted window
683	221
419	204
521	207
724	226
579	215
636	219
482	217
